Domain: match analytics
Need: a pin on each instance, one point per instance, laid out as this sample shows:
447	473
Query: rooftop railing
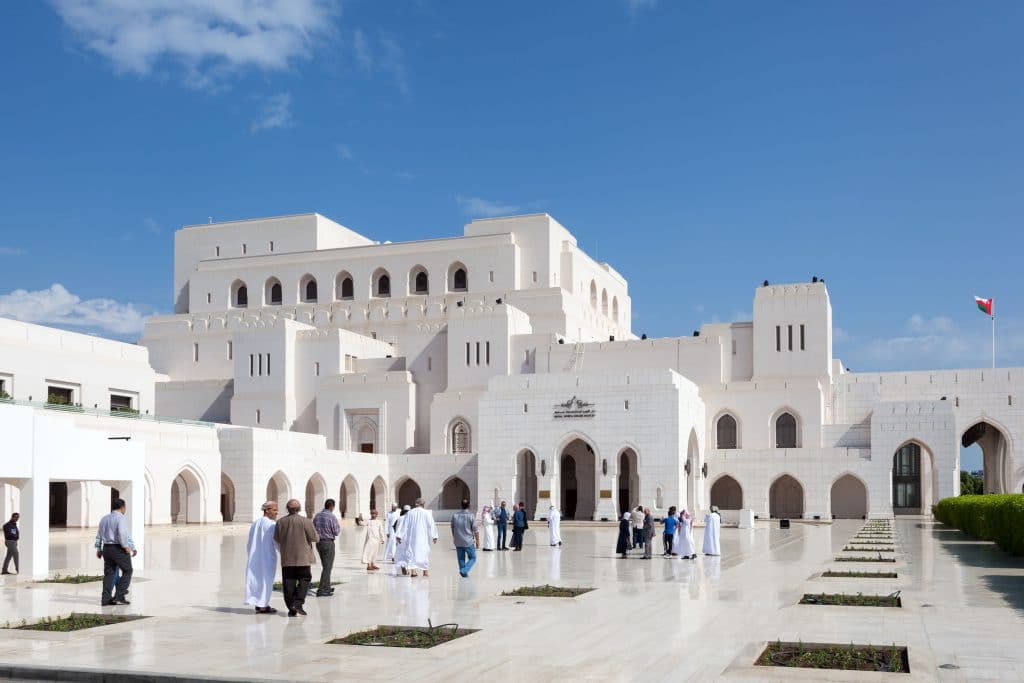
122	413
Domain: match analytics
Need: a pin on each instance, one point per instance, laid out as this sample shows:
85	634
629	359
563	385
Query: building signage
573	409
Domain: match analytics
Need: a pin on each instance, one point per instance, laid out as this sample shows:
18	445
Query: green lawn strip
829	656
864	549
75	578
865	559
847	600
74	622
859	575
395	636
546	591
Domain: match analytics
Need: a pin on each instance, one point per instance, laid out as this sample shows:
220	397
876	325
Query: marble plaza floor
658	620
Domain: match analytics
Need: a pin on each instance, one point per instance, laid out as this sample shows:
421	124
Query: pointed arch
726	493
272	292
996	444
787	428
227	498
453	491
848	497
308	289
460	436
615	308
526	479
381	283
577	461
628	478
727	430
316	494
604	302
279	489
378	494
914	479
239	294
344	287
593	294
188	492
786	498
407	491
458	277
348	497
419	281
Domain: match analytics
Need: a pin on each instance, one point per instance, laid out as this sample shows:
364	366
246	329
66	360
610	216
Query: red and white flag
984	305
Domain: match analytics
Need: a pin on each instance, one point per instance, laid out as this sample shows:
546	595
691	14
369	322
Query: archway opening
579	480
452	493
58	503
628	481
378	494
907	498
849	498
227	498
348	497
727	494
408	492
279	490
526	481
316	494
994	449
786	498
186	498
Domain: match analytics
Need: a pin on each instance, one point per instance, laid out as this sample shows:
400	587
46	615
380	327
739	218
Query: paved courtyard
649	620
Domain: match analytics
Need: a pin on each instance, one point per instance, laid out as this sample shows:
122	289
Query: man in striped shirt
327	527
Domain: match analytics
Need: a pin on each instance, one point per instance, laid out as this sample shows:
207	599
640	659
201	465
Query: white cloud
387	57
207	39
476	206
58	306
344	152
362	49
11	251
275	112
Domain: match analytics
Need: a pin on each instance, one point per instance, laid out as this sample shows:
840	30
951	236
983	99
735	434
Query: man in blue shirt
117	554
519	526
670	530
328	529
501	518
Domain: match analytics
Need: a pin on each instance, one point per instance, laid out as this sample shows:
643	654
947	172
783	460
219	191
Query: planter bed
868	540
864	549
405	636
859	575
847	600
889	658
546	592
865	559
76	578
76	621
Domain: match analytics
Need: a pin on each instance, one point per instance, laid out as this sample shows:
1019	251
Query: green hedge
994	517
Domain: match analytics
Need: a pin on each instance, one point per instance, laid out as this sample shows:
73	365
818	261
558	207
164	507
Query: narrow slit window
790	328
216	251
526	407
778	338
258	416
535	276
252	365
244	248
490	276
734	347
209	298
467	354
271	245
488	351
625	404
195	352
801	337
230	350
316	368
430	363
478	353
268	365
260	365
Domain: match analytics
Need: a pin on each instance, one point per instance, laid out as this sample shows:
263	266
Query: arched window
381	283
272	292
593	295
615	308
419	282
239	294
726	432
307	289
785	431
343	287
461	441
458	278
604	302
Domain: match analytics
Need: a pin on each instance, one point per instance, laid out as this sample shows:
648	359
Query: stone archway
316	494
727	494
913	479
348	497
279	490
227	498
578	469
186	498
526	481
996	455
786	498
407	493
628	481
378	494
452	493
849	498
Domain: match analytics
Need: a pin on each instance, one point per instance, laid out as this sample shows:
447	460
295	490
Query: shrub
992	517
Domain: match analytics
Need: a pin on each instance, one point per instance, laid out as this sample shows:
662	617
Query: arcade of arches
578	471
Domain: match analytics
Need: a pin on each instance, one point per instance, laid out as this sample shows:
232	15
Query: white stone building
305	360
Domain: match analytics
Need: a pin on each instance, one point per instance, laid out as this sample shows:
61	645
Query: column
133	494
34	545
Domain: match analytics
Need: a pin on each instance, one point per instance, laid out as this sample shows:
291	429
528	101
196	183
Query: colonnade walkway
663	619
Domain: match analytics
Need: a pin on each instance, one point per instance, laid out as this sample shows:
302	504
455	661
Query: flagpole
993	342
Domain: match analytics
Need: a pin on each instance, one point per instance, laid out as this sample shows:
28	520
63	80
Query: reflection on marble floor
693	620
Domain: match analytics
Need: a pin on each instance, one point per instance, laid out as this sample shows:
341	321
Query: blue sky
699	147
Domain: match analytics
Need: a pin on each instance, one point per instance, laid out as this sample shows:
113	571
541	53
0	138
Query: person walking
328	529
417	532
554	526
390	522
636	521
98	546
669	535
261	563
374	540
502	518
684	537
466	535
295	536
622	545
712	529
519	526
648	533
11	535
117	554
487	520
